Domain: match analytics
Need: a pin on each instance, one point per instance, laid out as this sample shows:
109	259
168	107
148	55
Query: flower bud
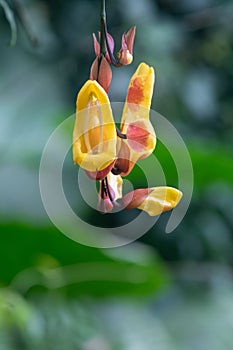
125	55
97	46
101	72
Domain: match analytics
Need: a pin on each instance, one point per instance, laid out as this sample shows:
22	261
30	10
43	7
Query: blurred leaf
44	257
11	20
13	309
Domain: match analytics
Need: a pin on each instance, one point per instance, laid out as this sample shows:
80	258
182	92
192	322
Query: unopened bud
109	47
101	72
125	55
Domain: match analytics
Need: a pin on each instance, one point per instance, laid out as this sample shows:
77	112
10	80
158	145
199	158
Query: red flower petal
100	175
135	92
137	136
134	198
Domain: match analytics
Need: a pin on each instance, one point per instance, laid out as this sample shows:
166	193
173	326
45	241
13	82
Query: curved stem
111	55
119	134
108	189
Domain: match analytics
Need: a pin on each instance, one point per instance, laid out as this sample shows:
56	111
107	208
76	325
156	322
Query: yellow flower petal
135	123
160	199
140	91
94	137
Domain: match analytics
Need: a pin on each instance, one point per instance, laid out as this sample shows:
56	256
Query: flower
154	201
94	137
107	153
135	124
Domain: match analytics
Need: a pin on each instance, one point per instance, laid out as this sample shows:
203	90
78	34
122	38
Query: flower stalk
102	28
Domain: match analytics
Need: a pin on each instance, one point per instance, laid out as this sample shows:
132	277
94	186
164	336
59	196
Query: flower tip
161	199
173	197
145	69
129	37
96	45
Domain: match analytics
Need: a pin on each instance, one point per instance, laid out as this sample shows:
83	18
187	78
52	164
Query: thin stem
104	35
102	189
114	61
108	190
119	134
102	28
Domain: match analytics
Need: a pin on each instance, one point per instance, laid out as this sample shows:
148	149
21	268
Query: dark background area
165	291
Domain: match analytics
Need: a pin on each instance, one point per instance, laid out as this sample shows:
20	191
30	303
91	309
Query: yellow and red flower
135	124
107	153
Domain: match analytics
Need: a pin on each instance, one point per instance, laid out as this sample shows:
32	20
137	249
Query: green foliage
14	311
47	260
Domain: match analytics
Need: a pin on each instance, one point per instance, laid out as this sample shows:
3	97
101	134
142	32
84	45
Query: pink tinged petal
96	45
111	47
129	38
137	136
101	73
100	175
105	74
140	143
104	205
123	43
154	201
123	164
94	69
108	206
134	198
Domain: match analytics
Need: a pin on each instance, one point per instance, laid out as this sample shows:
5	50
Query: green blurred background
164	291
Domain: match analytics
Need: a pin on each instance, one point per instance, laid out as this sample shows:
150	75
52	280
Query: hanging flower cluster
106	153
